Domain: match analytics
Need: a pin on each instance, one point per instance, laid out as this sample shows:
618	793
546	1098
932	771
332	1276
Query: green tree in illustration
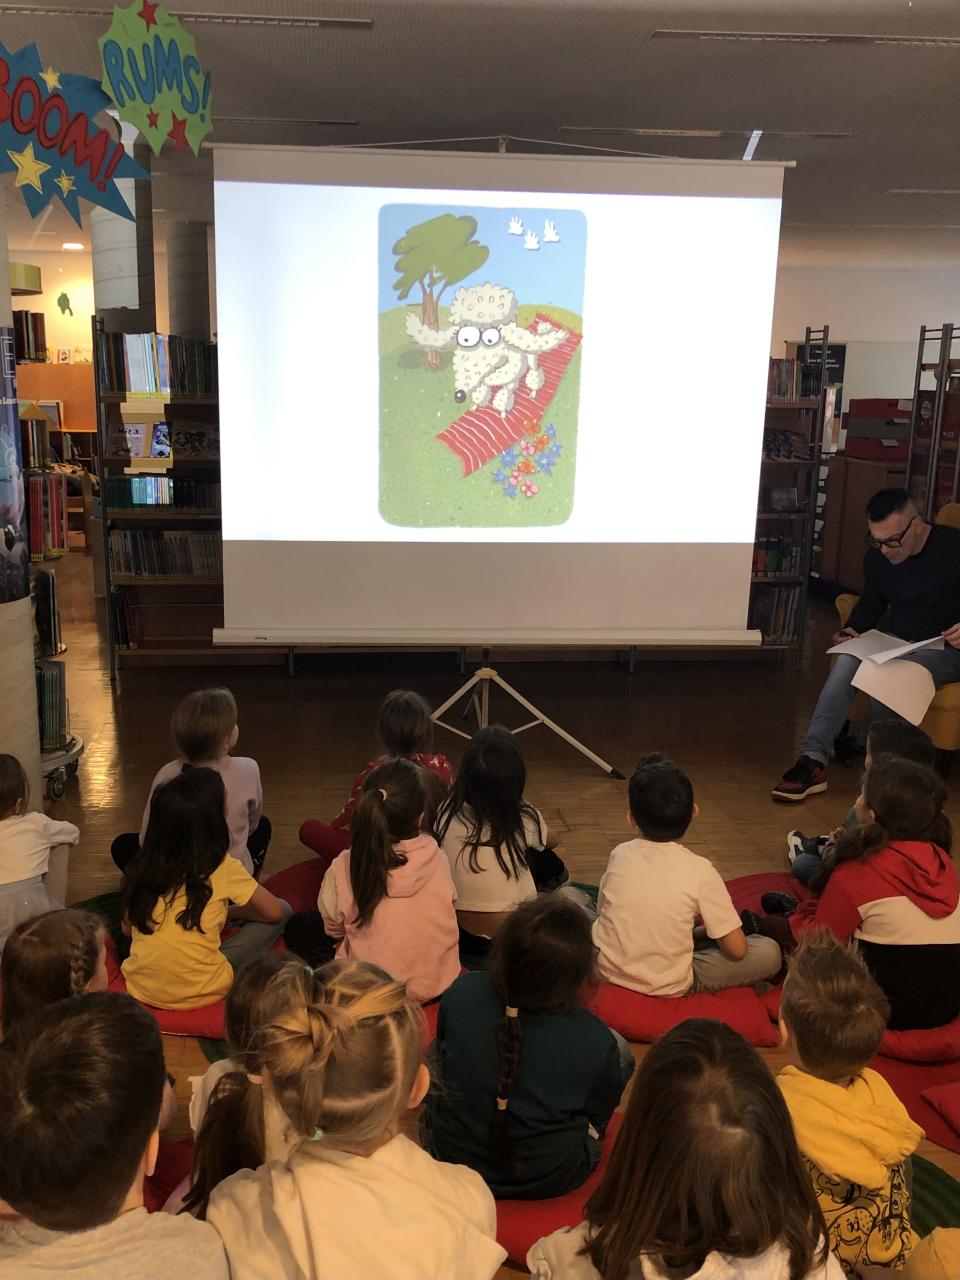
435	255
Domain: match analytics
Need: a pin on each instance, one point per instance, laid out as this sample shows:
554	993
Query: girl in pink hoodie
389	899
891	885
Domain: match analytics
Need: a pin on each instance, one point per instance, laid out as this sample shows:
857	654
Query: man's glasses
893	543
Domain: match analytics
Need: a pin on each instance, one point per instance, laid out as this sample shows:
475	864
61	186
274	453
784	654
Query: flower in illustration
546	464
541	442
515	477
499	476
531	426
526	467
551	431
529	448
529	489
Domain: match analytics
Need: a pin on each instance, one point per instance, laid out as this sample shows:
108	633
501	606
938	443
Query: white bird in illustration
531	240
550	233
515	227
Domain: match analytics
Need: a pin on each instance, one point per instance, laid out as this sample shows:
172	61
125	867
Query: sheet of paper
904	687
882	648
900	649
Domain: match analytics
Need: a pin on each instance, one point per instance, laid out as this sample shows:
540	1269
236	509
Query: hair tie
383	795
317	1135
501	1104
254	1079
512	1011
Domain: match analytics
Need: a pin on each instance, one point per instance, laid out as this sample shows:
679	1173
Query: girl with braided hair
529	1078
55	955
342	1058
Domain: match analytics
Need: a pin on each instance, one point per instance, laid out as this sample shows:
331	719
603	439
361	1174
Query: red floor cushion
299	885
746	891
206	1021
521	1223
174	1163
932	1044
945	1100
771	1002
911	1082
646	1018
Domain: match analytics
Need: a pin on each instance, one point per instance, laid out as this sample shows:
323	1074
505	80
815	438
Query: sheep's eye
490	337
468	336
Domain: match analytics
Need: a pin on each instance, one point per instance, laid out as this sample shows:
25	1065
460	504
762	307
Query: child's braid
509	1041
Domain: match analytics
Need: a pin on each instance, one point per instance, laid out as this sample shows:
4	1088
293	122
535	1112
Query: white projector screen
471	399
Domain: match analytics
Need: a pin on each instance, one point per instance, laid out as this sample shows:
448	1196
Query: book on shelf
777	555
774	612
46	614
790	379
170	553
126	619
194	440
52	705
138	438
155	364
179	493
30	335
46	493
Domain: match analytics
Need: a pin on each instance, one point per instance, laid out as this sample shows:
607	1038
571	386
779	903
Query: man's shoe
798	843
847	750
749	923
778	904
807	778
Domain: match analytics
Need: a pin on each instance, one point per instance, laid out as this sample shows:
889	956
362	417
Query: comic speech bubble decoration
48	136
152	73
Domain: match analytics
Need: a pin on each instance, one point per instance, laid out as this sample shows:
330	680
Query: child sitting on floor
405	731
854	1133
234	1126
890	884
177	893
529	1118
885	737
355	1198
654	889
81	1086
389	898
499	847
705	1180
204	731
26	838
55	955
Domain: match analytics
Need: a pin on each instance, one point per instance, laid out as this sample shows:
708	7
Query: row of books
46	614
155	364
46	493
34	439
179	492
127	627
29	335
789	379
774	612
52	705
777	555
171	553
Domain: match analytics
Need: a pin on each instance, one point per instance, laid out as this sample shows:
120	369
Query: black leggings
126	846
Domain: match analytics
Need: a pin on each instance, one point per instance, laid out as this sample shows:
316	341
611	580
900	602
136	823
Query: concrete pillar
19	731
188	279
123	288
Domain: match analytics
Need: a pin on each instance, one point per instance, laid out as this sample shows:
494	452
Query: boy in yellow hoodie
853	1132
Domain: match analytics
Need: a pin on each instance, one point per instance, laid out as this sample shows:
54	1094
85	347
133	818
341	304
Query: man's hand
952	636
846	633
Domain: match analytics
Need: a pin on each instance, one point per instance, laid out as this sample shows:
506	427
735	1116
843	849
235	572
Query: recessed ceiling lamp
808	37
923	191
73	246
821	135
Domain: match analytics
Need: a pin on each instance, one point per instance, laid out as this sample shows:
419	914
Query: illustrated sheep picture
481	321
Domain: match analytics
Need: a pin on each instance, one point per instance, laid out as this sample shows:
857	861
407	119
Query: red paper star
147	13
152	119
178	132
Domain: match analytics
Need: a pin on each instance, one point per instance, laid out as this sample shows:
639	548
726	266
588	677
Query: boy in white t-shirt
654	889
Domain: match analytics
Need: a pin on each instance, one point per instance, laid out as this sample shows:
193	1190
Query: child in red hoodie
891	885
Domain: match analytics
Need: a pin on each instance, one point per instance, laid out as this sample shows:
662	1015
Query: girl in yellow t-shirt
178	892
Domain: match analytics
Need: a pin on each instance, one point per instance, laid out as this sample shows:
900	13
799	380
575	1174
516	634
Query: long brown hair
231	1133
49	958
705	1161
388	811
907	801
540	962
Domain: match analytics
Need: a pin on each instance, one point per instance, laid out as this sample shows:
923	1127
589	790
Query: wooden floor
733	725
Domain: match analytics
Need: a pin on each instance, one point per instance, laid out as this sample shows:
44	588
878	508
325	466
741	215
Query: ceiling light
820	135
808	37
923	191
73	246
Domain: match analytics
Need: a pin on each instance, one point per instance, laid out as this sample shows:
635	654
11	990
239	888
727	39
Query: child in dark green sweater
528	1078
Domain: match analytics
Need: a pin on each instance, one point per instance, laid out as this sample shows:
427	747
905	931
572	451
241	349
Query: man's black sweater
922	593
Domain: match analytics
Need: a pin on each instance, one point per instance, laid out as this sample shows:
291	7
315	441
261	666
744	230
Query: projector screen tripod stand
477	692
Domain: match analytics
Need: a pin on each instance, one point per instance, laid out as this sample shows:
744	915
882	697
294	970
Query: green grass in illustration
422	484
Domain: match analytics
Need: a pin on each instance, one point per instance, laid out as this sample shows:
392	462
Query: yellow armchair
942	721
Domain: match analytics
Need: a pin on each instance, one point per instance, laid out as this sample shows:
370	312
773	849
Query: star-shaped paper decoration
66	182
30	170
152	119
178	132
51	79
148	13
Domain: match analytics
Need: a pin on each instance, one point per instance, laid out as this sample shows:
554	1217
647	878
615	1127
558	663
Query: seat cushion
932	1044
647	1018
299	885
521	1223
207	1021
945	1100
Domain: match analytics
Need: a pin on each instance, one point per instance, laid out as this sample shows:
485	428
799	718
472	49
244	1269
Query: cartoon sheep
492	352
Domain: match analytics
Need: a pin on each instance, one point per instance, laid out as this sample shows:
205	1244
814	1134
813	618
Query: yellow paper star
29	168
51	79
66	182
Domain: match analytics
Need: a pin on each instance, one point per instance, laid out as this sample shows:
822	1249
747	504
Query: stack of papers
905	687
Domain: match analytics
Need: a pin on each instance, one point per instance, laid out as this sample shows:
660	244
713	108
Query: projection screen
489	399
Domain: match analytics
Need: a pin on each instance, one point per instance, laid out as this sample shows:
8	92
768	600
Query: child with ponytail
342	1058
389	898
529	1115
51	957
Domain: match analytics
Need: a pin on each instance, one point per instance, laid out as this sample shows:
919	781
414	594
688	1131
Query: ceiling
863	95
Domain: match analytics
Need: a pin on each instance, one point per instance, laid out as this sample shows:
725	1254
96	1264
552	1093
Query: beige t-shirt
489	889
650	895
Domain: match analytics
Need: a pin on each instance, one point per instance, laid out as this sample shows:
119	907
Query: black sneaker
847	750
806	778
798	843
778	904
749	923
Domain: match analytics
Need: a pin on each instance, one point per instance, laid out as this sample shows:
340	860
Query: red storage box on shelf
878	430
